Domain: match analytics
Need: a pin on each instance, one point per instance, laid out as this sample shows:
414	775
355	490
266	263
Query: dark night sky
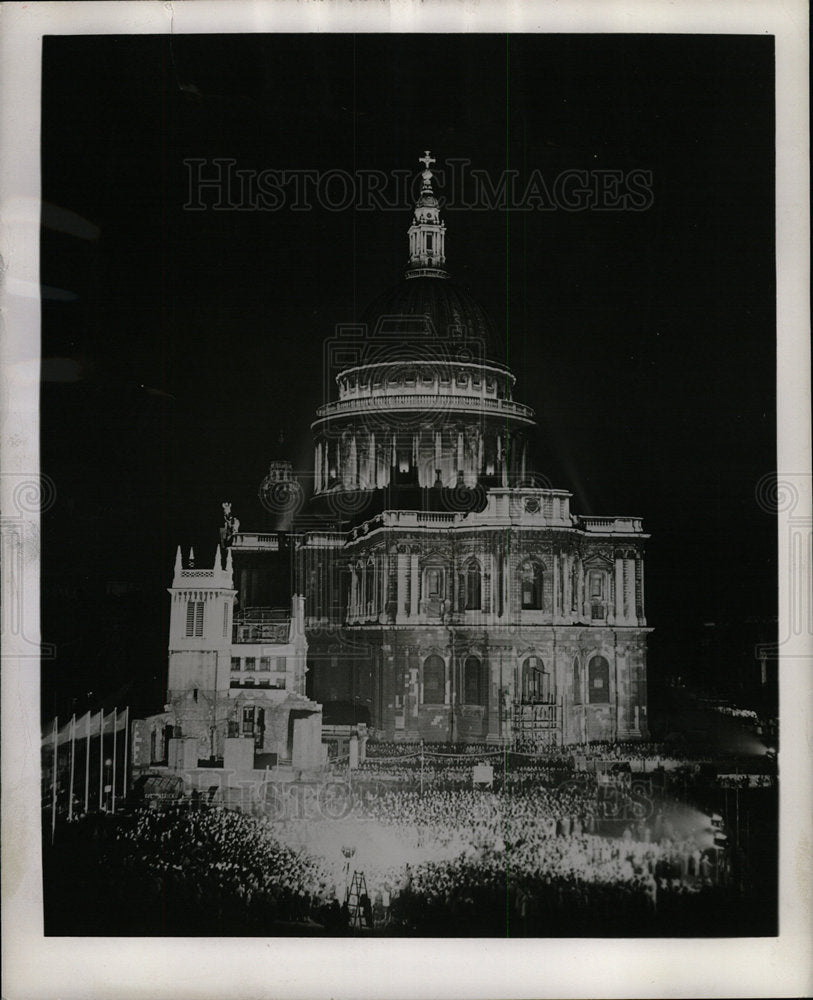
645	340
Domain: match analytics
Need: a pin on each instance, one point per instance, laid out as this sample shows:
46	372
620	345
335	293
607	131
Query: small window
434	680
473	681
235	664
194	619
473	589
531	580
428	241
265	663
577	682
599	680
250	662
434	583
535	681
225	619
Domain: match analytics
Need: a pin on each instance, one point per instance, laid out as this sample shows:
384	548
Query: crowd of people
549	848
220	867
532	856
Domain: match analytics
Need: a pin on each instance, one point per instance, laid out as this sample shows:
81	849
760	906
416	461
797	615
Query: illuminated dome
423	404
436	316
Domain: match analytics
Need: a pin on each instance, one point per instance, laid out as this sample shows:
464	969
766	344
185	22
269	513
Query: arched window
577	682
434	590
599	680
434	582
473	589
598	593
535	682
473	686
434	680
531	576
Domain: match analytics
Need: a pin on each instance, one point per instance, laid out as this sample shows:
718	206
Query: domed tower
426	408
280	493
448	591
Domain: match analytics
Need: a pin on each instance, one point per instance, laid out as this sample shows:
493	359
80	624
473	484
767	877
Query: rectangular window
265	663
281	665
248	721
235	664
250	663
194	619
225	619
428	241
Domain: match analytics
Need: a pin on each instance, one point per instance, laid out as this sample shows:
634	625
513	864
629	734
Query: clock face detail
532	505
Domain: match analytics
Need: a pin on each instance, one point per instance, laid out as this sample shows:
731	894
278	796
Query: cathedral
423	575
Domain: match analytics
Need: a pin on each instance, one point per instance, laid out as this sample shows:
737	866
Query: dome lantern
427	234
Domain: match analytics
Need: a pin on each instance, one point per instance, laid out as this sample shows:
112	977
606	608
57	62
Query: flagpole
126	738
101	754
73	763
115	741
53	780
87	764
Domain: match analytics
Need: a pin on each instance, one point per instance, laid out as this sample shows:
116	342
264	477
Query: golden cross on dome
426	159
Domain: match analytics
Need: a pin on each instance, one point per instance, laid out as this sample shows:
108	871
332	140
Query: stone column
414	583
639	589
619	589
629	591
352	461
556	606
506	584
402	568
371	478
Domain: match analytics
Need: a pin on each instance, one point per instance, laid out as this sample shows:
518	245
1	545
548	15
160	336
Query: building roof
436	317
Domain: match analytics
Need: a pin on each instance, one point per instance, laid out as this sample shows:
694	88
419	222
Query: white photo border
35	966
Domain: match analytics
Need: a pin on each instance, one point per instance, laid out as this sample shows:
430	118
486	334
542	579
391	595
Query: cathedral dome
435	316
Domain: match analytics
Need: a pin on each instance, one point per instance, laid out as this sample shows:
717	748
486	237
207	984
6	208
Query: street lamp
108	785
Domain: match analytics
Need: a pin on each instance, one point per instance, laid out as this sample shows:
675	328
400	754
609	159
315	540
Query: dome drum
446	453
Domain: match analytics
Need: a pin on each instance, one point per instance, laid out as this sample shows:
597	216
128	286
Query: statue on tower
230	527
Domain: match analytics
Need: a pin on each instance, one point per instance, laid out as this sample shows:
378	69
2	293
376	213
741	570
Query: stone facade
234	674
487	626
453	593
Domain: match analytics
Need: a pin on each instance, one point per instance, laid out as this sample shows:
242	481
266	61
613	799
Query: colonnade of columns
393	583
363	459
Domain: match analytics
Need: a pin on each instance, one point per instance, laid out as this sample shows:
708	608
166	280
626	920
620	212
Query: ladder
358	888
